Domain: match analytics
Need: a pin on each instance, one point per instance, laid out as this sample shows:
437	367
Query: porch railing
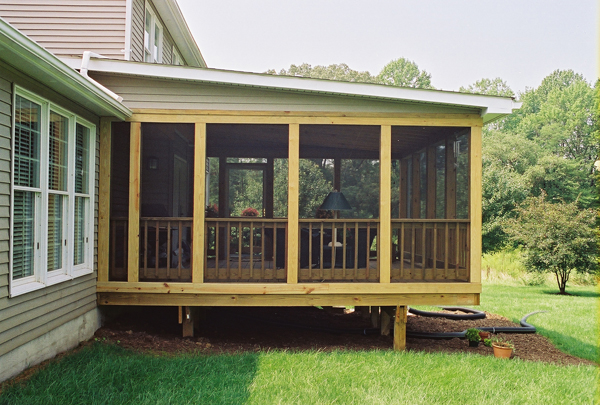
338	250
430	249
165	249
245	249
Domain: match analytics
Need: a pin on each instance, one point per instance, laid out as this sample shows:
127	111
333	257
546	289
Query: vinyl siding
31	315
70	27
174	94
137	31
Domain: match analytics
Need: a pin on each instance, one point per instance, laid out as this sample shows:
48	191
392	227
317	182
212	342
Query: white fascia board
491	107
176	25
28	57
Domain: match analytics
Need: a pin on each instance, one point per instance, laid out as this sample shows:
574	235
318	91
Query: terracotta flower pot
484	335
501	351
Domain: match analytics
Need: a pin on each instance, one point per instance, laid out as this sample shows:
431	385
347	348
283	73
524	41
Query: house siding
137	31
70	27
175	94
31	316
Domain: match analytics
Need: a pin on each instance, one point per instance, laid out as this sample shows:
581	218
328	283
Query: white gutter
84	72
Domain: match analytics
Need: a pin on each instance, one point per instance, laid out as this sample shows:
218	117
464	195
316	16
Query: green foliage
557	236
472	335
492	87
404	73
341	72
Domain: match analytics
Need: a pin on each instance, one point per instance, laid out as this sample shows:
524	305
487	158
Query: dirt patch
234	330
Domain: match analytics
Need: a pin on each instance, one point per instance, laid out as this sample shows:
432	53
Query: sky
457	41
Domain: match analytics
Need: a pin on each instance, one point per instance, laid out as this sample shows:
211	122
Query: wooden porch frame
200	119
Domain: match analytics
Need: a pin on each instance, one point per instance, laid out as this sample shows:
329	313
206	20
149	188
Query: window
177	59
52	222
152	37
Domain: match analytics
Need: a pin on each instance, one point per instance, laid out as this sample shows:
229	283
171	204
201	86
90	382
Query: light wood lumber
198	235
284	300
475	205
104	199
301	117
293	195
133	256
400	327
289	289
384	237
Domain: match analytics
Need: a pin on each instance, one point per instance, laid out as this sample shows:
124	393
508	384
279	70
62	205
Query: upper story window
52	223
153	37
177	59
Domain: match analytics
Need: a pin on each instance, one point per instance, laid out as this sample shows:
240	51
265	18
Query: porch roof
490	107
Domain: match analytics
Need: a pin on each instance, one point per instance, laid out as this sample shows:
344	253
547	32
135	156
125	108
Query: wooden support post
375	317
475	205
198	241
387	313
293	192
400	327
104	199
450	178
269	187
384	237
188	321
133	247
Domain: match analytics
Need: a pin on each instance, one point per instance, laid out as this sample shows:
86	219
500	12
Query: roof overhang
176	25
490	107
31	59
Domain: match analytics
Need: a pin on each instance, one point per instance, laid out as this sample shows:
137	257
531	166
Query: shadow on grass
571	293
108	374
571	345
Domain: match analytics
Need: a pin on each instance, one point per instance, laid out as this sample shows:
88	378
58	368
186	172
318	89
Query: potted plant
502	348
484	335
212	211
472	335
250	212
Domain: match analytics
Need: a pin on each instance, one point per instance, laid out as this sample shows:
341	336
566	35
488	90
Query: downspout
84	72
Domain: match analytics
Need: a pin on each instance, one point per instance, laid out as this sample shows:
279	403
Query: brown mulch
234	330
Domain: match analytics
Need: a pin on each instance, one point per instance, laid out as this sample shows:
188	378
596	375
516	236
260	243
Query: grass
107	374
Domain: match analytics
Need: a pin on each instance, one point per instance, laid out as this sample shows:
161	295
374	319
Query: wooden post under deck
293	191
400	327
198	245
384	238
475	205
104	199
135	153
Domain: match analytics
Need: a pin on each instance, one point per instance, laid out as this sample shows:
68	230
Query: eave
490	107
31	59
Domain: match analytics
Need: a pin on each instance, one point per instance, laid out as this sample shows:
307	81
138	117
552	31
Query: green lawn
107	374
571	322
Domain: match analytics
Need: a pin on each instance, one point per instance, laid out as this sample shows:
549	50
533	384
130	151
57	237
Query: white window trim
41	277
154	22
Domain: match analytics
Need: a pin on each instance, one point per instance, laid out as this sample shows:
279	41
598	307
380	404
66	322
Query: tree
492	87
341	72
404	73
558	237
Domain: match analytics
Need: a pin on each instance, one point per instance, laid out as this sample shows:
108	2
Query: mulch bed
235	330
